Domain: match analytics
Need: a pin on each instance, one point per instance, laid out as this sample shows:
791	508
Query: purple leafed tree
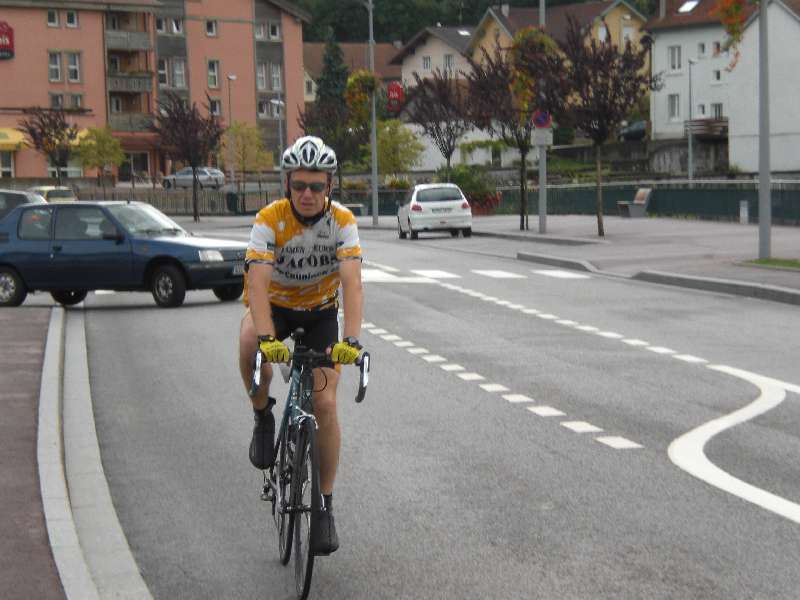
49	133
187	135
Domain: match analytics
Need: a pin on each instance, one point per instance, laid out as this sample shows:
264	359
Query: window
113	22
717	48
674	107
163	73
85	223
211	28
113	64
602	33
35	224
497	157
274	30
52	18
309	87
261	76
161	26
275	71
215	107
116	104
177	26
701	110
178	73
6	164
448	62
688	6
56	101
716	110
73	66
54	66
627	34
72	18
716	75
213	73
701	49
77	101
674	58
276	110
426	63
261	31
263	109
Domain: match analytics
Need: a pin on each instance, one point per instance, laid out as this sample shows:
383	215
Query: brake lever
256	382
363	363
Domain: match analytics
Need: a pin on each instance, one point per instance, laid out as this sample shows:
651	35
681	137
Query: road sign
542	119
542	137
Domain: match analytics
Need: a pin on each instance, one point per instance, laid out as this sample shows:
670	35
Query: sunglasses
300	186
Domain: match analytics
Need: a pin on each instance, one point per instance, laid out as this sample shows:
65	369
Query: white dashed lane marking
377	331
404	344
494	387
418	350
690	359
518	398
434	358
471	376
660	350
617	442
636	342
581	427
434	274
545	411
559	274
390	337
495	274
451	368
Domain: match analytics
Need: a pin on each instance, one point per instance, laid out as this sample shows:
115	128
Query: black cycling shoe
263	443
324	540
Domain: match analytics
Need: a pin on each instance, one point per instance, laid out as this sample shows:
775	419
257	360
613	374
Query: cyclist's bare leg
248	343
328	434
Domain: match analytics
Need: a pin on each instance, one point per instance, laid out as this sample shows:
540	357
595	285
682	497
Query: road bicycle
291	484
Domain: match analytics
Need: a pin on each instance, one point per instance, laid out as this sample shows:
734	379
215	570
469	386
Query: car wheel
228	293
467	232
68	297
167	184
12	288
168	286
454	232
400	233
414	235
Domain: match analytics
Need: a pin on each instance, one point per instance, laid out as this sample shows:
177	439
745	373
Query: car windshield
60	194
442	194
144	219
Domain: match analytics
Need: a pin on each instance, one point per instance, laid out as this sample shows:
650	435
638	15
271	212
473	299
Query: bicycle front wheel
284	518
306	501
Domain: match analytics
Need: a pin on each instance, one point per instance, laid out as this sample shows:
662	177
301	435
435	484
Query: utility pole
373	133
690	167
764	183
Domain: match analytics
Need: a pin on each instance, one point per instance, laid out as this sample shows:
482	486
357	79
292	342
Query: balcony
130	122
707	129
127	40
135	83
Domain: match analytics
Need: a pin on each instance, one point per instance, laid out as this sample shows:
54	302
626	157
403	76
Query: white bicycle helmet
309	153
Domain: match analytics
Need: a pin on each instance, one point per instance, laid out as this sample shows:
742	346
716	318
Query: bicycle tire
306	497
284	521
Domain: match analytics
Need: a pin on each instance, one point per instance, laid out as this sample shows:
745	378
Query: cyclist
301	249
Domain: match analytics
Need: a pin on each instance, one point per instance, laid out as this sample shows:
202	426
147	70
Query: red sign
542	119
6	41
395	96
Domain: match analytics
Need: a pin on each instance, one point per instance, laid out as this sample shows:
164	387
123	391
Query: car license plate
440	210
238	269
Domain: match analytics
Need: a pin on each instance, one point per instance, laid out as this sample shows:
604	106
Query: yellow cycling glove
275	351
346	352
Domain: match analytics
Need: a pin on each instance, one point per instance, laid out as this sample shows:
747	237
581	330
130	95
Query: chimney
504	8
662	8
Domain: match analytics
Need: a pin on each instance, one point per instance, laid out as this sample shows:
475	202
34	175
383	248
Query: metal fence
704	199
179	202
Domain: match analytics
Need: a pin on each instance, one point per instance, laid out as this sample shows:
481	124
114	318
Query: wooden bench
637	208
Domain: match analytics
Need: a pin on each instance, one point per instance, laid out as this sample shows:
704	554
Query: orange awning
11	139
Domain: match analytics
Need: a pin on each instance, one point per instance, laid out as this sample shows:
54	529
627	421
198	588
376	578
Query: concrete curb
61	531
726	286
106	550
539	238
555	261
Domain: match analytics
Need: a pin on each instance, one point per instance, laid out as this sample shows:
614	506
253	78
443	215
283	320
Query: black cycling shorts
321	327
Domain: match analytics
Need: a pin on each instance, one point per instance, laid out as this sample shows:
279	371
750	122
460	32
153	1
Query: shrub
398	183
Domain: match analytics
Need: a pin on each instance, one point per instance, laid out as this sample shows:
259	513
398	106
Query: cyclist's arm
353	296
259	276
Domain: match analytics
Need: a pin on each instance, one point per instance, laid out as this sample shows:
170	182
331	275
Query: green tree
243	146
49	133
398	148
99	149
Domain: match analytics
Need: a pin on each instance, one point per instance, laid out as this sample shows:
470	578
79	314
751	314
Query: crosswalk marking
435	274
559	274
496	274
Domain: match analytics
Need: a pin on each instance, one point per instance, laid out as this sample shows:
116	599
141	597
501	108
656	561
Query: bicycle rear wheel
284	520
307	501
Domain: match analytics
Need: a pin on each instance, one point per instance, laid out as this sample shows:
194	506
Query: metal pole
280	148
764	192
691	145
541	13
542	189
232	167
374	132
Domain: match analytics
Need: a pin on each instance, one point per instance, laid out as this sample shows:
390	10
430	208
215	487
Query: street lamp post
690	167
373	133
280	105
231	171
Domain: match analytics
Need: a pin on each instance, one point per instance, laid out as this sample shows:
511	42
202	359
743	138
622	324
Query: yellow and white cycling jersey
305	259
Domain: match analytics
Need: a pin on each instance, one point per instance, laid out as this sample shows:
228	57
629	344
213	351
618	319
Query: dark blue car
69	249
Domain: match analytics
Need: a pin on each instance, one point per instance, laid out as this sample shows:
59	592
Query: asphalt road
452	490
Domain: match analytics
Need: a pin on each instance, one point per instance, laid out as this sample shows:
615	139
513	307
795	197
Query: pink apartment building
108	65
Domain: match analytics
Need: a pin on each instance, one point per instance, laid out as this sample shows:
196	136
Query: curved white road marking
687	450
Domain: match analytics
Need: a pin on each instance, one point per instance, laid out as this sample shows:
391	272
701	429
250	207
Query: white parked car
207	177
434	207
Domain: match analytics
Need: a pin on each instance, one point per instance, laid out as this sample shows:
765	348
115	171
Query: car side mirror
116	236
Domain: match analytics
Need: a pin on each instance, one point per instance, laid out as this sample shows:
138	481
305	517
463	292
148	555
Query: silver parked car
207	177
434	207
